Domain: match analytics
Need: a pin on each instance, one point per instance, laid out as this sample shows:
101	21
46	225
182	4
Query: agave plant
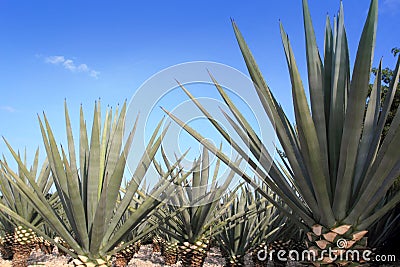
384	233
337	169
44	245
89	191
169	246
255	228
267	230
6	236
123	257
194	209
18	237
156	241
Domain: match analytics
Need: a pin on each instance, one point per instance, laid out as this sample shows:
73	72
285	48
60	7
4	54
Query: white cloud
55	59
83	67
391	6
8	109
94	74
70	65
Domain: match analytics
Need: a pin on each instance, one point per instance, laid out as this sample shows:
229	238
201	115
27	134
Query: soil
144	258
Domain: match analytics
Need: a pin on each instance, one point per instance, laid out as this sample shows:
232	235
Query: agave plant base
234	261
24	242
339	246
157	244
45	246
83	261
21	255
123	257
64	244
6	244
170	253
121	260
193	255
231	260
6	252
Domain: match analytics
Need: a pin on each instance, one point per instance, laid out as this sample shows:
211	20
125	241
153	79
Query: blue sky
85	50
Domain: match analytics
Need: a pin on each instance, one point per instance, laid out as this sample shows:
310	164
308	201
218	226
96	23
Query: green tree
387	76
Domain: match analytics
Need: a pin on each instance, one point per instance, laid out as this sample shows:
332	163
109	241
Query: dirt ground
145	258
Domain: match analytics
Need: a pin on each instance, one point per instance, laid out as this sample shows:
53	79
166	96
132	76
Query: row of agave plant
92	216
333	183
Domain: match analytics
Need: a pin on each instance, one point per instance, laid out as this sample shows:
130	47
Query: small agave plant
88	186
123	257
6	236
338	169
384	233
258	225
192	218
19	240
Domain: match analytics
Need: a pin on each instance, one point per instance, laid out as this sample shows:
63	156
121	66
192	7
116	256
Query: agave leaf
117	175
270	106
316	82
216	170
238	148
374	145
236	168
141	212
196	180
382	172
369	131
205	171
77	207
379	213
311	150
93	169
165	158
116	142
328	58
103	151
99	222
35	164
281	183
54	155
44	180
138	175
83	155
355	112
71	143
340	79
242	121
56	165
381	175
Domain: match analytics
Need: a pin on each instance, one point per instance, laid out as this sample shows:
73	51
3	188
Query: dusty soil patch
145	258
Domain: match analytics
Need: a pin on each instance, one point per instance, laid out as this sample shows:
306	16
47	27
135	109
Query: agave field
333	187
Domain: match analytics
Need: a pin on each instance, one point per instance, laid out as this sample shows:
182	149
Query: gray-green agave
337	169
258	224
89	189
20	240
194	207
